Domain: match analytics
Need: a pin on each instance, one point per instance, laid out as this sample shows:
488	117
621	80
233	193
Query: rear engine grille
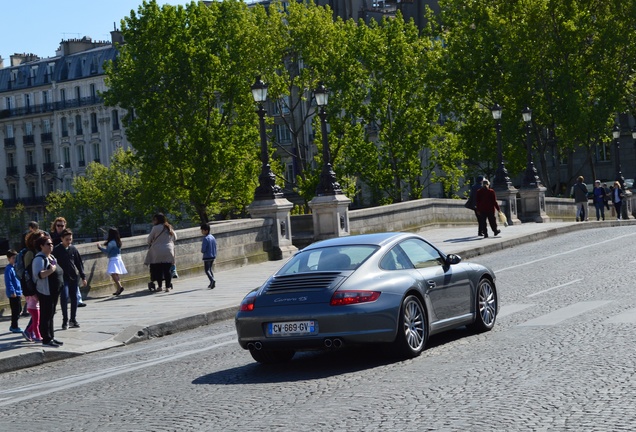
303	282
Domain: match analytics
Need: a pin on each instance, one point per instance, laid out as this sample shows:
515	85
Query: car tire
412	328
266	356
486	306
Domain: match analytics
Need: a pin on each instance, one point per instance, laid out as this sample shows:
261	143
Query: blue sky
38	26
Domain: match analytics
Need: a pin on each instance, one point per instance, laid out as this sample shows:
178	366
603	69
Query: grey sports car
374	288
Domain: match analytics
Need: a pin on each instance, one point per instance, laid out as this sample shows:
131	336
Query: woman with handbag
160	256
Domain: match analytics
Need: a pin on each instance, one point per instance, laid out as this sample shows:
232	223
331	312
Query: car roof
361	239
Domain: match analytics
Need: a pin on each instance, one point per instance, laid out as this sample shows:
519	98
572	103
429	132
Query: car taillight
247	305
342	298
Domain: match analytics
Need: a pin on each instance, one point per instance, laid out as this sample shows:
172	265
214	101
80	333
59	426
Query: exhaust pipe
254	346
337	343
328	343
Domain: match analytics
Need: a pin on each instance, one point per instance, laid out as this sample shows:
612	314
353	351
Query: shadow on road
314	365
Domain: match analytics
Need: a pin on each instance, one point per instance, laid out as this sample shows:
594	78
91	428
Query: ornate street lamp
267	188
502	181
531	179
616	133
328	184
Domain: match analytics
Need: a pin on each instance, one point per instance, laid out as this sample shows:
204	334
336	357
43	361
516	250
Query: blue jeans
600	209
70	287
207	265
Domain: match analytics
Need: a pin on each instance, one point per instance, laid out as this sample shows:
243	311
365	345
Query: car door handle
431	284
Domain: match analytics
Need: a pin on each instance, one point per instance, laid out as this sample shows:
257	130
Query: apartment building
53	120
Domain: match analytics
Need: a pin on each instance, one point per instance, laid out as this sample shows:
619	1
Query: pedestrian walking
579	193
69	258
486	201
160	257
208	249
116	266
49	280
13	290
472	201
617	198
598	195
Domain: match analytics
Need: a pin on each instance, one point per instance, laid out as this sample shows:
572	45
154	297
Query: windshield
328	259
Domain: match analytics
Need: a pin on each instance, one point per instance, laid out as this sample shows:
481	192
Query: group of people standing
55	268
601	197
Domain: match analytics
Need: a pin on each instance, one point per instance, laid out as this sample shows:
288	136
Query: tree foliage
184	74
104	196
569	61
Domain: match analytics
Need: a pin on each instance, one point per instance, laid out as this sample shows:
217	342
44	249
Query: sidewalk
108	322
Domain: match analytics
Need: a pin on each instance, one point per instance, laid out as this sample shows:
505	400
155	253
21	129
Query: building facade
53	121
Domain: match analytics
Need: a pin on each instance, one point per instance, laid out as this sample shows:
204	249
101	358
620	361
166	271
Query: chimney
116	36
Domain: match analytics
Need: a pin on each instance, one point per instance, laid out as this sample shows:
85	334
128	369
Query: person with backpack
13	291
69	258
32	330
49	279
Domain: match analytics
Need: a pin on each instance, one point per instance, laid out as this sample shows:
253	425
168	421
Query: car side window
395	259
421	253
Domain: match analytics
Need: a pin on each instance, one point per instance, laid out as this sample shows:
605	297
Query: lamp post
267	188
616	133
531	179
328	184
502	181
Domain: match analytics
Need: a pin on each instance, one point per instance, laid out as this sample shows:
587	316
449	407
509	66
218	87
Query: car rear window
341	258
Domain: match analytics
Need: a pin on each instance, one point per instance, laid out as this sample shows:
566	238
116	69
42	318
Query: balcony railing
48	167
51	106
31	169
12	171
9	142
46	137
28	140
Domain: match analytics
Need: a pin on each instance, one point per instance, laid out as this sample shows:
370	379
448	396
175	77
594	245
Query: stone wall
240	242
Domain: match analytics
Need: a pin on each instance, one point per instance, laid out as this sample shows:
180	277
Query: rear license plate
292	328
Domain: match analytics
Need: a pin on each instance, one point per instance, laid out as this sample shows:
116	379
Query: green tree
403	107
568	61
184	74
104	196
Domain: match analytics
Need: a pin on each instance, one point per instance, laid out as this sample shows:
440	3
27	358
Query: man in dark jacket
486	206
70	260
472	201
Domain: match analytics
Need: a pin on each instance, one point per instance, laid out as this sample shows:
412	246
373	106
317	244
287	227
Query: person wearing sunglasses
48	277
58	225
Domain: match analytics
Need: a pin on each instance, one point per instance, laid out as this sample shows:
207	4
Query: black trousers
48	304
16	308
490	217
160	272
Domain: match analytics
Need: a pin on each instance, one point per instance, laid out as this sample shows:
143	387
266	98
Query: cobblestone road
561	358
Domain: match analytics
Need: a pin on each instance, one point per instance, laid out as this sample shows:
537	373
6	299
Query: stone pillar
509	198
276	209
533	205
627	207
330	215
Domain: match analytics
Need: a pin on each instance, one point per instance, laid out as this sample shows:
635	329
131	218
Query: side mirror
453	259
